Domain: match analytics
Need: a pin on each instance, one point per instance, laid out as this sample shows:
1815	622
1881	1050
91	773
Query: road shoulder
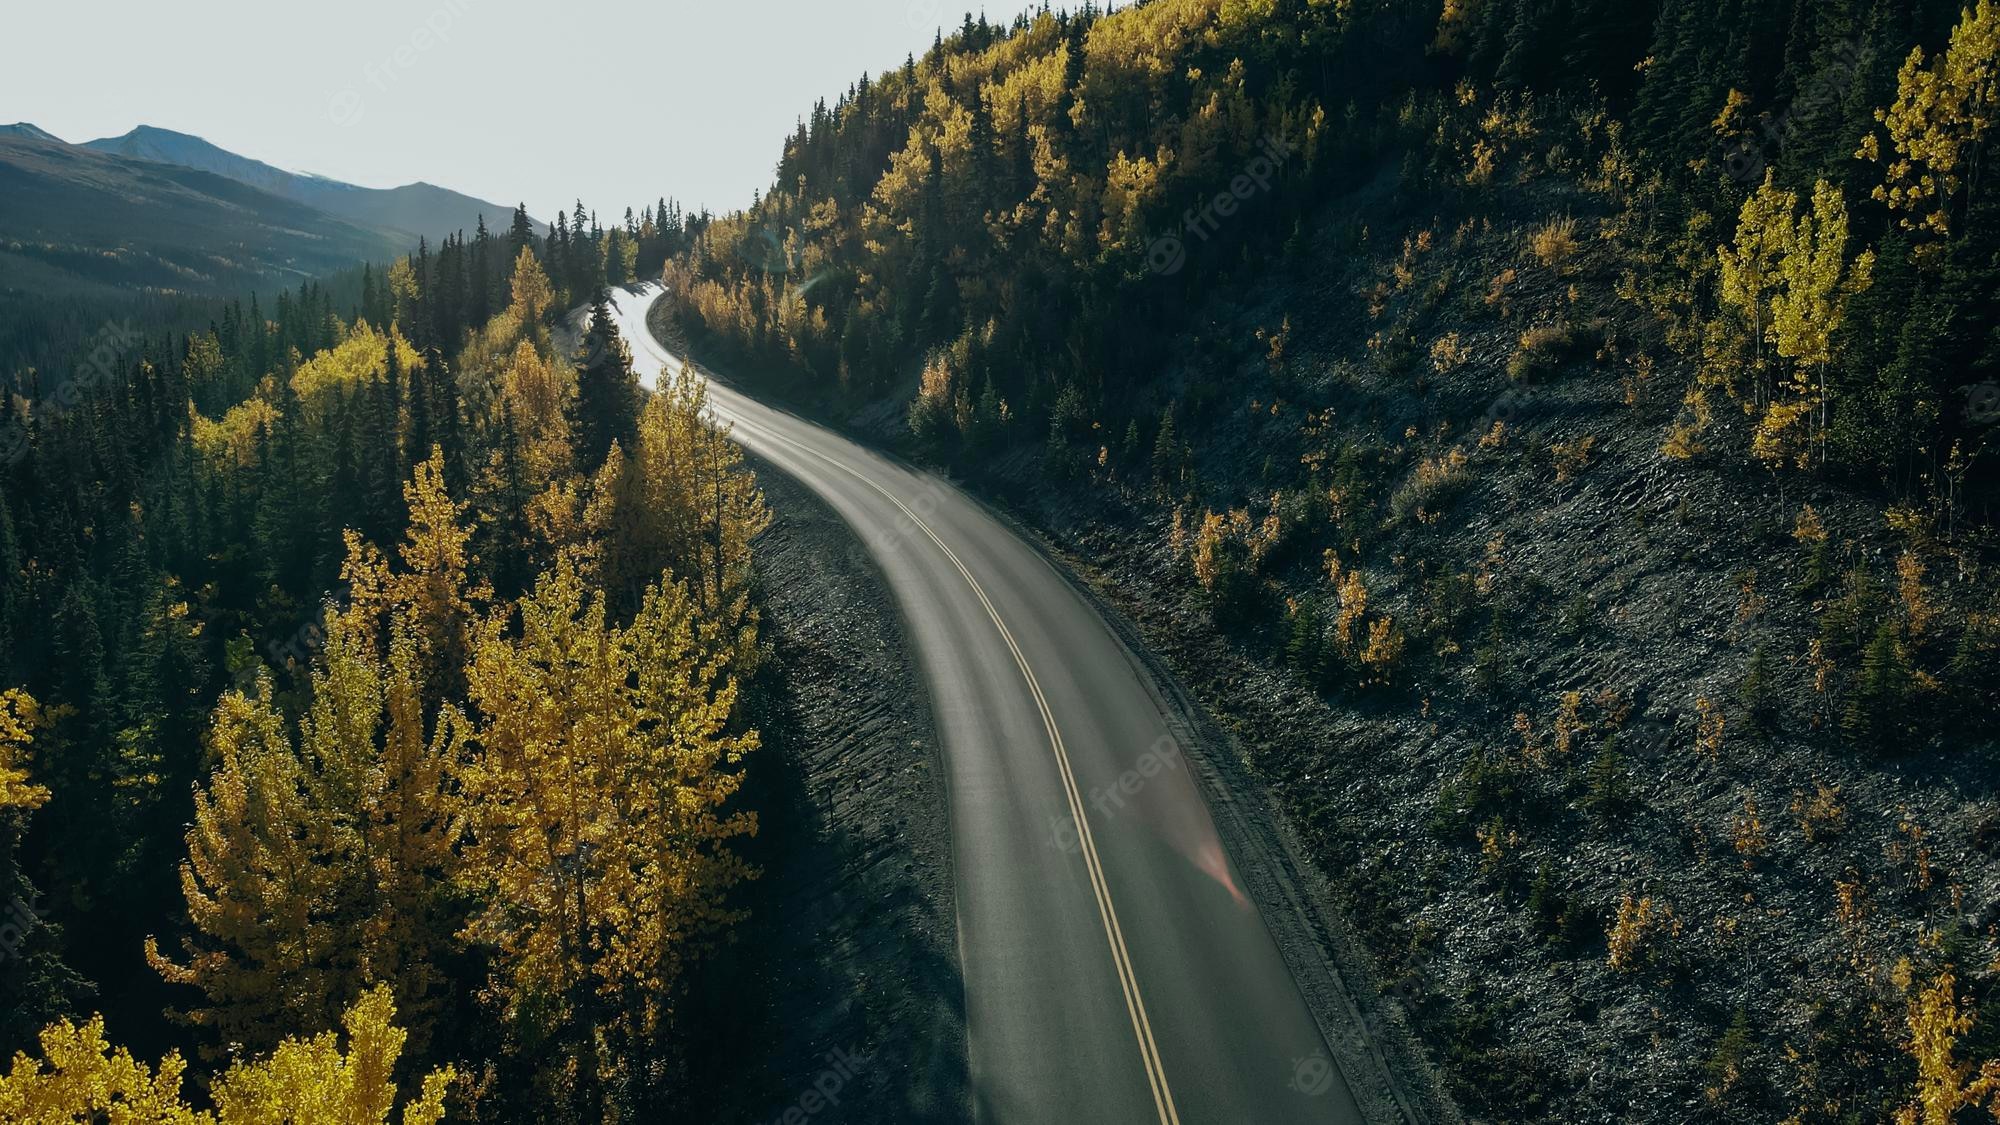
846	974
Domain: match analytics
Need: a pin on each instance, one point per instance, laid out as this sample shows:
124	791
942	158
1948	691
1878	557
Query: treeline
1026	211
376	674
441	297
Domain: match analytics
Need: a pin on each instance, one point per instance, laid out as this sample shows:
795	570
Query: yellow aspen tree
1938	123
1811	303
1788	277
272	947
82	1078
1353	607
317	1080
531	292
1750	270
433	584
1937	1019
18	718
1208	548
317	864
682	502
598	835
542	392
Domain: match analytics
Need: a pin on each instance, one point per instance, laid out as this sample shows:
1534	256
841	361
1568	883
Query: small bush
1541	352
1640	921
1448	354
1437	482
1572	457
1554	243
1822	816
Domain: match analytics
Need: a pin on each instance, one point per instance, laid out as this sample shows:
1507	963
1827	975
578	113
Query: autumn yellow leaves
1787	277
81	1077
498	815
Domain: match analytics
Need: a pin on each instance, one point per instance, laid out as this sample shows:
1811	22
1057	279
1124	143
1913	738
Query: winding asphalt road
1114	972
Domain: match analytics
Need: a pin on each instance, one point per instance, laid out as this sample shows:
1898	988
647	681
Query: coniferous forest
1554	438
375	668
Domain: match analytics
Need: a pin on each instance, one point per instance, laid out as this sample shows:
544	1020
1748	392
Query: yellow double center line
1128	981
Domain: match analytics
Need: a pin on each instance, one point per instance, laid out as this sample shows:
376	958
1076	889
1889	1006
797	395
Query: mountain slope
411	211
31	132
1627	669
78	220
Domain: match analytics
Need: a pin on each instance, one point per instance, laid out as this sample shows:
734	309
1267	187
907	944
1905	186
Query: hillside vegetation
374	712
1555	437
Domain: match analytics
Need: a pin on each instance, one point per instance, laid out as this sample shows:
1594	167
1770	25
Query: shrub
1541	351
1554	243
1821	816
1638	922
1572	457
1437	482
1448	354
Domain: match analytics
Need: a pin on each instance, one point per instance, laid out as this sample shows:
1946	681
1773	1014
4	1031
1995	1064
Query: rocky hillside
1557	438
1640	817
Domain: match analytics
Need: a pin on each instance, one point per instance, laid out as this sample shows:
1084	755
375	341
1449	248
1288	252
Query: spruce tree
607	393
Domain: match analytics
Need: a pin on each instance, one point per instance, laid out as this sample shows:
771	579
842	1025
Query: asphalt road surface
1114	972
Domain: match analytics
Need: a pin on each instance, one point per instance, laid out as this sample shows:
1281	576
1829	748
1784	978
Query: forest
1553	436
375	668
1793	189
1586	407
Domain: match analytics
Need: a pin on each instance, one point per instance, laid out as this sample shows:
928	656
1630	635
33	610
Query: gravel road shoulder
845	978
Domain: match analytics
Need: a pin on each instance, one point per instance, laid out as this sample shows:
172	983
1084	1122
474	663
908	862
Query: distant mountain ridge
412	210
23	129
79	220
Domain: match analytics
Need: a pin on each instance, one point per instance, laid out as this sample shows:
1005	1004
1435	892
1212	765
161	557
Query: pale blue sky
507	100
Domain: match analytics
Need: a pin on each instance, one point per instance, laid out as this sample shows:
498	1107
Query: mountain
410	211
79	220
32	132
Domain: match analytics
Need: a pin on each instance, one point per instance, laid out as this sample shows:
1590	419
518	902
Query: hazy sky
617	103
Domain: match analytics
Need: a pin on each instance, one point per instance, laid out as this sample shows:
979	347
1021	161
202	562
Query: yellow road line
1128	981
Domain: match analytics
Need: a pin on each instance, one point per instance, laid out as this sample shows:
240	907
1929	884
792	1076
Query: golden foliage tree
1937	1019
682	501
316	865
18	717
1788	276
1938	123
598	830
82	1078
532	294
317	1080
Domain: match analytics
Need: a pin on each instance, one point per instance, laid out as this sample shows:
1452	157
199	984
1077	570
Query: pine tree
1876	713
607	398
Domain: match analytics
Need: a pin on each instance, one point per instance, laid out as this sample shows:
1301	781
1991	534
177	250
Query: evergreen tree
607	401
